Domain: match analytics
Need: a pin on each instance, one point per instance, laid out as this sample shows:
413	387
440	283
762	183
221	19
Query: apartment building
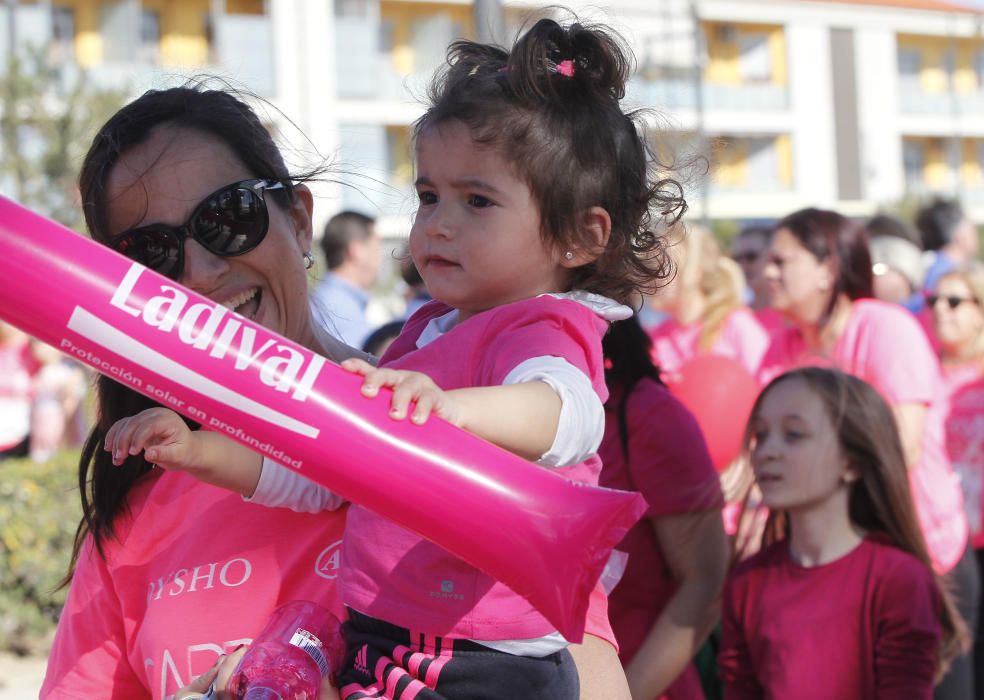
852	104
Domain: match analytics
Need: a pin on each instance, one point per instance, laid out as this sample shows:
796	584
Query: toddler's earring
569	255
824	285
308	260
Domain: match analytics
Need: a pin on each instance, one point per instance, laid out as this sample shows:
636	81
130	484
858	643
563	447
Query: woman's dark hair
628	359
880	500
221	115
831	236
551	108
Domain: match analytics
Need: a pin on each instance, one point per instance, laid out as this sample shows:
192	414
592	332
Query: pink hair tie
566	68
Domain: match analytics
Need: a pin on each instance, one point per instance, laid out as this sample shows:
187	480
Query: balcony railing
916	102
243	50
367	73
682	94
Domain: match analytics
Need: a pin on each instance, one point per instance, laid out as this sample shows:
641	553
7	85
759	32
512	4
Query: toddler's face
476	235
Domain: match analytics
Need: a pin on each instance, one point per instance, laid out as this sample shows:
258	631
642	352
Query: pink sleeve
734	660
745	339
542	327
88	657
668	458
907	632
892	353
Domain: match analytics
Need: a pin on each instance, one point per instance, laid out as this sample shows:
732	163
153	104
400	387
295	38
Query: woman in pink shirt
534	226
706	314
820	279
958	320
666	602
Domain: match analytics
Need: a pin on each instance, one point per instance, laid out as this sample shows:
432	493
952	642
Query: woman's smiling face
163	179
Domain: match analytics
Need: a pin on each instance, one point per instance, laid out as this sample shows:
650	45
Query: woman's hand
161	434
407	387
214	683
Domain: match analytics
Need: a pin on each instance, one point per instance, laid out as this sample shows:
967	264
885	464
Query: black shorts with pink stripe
385	661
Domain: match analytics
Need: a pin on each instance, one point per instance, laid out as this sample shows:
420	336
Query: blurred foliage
50	114
39	511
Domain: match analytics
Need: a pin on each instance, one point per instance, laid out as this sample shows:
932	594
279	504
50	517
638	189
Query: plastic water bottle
299	646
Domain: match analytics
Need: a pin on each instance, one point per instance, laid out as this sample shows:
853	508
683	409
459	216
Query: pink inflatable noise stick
545	537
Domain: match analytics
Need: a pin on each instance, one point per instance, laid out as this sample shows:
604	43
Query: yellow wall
936	168
183	41
784	156
244	7
970	167
401	164
403	14
932	68
182	22
730	169
88	40
723	58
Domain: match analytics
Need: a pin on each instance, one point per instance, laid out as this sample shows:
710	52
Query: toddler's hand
162	435
407	386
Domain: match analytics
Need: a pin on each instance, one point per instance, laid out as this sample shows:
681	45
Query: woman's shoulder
880	314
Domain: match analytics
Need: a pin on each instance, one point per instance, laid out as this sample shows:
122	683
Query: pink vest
393	574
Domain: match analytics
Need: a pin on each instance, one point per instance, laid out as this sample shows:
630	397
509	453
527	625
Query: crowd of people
42	398
556	298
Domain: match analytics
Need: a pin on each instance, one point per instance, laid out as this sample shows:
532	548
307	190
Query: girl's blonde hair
880	500
972	274
717	276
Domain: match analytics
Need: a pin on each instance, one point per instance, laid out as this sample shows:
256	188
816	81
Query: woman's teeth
241	303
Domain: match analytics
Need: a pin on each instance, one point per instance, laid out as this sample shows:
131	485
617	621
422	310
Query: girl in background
842	602
667	600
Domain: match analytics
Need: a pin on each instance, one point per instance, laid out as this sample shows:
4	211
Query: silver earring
569	255
308	260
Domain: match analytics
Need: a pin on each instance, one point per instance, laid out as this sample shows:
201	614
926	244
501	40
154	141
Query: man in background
948	235
352	257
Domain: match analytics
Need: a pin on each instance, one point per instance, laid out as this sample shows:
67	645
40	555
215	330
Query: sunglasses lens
160	250
234	221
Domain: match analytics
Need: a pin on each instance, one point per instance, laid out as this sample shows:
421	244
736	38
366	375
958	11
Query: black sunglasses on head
952	301
231	221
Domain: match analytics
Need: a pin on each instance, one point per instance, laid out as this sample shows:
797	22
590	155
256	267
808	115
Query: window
62	33
950	67
909	61
150	36
754	61
913	164
358	9
763	163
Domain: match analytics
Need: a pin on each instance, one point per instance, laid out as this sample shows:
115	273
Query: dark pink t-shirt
965	438
669	464
194	572
863	627
395	575
883	345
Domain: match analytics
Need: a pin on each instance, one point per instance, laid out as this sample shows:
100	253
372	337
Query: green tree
50	113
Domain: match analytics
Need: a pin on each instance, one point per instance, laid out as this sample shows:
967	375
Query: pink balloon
720	393
544	536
